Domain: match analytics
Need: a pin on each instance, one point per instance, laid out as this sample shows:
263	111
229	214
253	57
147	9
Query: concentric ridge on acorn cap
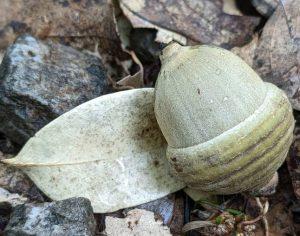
244	157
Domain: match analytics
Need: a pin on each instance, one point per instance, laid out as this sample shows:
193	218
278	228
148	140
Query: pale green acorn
227	130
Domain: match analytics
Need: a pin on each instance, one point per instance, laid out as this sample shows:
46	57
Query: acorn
227	130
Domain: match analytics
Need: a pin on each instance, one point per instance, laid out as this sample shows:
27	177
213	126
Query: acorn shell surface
227	130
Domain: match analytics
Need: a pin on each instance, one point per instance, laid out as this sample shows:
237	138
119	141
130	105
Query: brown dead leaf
277	54
132	81
191	21
247	52
81	24
293	163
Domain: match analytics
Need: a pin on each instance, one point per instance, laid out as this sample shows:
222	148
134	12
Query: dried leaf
190	21
109	150
138	223
293	163
163	35
247	52
63	19
277	56
133	81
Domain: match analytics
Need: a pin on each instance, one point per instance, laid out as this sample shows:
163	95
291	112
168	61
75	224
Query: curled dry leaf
137	223
109	150
191	21
277	56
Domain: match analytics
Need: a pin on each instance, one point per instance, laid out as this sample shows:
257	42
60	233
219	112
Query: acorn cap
227	130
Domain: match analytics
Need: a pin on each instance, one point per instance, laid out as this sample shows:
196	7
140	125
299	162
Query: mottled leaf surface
109	150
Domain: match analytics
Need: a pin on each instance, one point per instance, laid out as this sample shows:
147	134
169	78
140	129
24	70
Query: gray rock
40	81
70	217
5	211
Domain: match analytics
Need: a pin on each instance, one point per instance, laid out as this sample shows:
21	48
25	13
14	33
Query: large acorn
227	130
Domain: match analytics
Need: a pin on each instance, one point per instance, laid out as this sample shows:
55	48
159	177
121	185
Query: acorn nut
227	130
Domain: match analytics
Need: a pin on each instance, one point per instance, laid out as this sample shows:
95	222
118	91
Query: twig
264	209
262	216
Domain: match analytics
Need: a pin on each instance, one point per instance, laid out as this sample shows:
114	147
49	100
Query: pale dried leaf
137	223
109	150
194	21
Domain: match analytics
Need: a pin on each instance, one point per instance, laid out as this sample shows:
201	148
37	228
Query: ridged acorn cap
227	130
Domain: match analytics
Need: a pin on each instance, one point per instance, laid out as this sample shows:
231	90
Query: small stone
73	216
7	202
5	210
16	181
39	81
13	199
